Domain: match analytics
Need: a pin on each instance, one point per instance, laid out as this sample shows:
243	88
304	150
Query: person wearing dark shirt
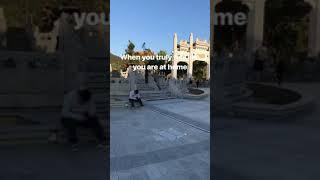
79	110
279	72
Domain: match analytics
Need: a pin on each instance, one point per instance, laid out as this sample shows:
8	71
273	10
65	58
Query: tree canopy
286	25
16	11
130	48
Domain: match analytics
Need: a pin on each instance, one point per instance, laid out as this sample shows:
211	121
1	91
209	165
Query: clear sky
155	21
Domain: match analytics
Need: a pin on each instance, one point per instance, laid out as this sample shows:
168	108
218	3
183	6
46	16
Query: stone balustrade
119	87
30	79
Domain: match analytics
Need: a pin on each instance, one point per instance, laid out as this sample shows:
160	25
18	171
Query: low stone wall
30	79
119	87
196	97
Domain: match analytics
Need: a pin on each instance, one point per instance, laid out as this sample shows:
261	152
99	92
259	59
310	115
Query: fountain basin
195	93
271	102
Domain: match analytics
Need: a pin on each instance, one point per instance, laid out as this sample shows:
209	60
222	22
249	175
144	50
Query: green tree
199	70
156	61
285	25
17	11
130	48
162	53
144	46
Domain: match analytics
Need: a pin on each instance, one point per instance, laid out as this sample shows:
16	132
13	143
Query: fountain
234	96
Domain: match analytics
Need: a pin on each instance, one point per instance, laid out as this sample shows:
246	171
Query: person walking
258	65
197	83
279	71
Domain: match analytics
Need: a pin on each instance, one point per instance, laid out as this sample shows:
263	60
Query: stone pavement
194	112
285	149
52	162
147	143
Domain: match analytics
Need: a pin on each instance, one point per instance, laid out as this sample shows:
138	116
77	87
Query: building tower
175	49
190	63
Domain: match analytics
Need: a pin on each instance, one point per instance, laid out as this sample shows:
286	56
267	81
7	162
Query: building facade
255	24
189	52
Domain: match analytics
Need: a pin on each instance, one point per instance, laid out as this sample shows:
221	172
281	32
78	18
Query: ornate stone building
189	52
255	24
42	77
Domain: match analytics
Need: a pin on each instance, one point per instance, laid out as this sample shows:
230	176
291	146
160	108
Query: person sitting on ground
134	96
79	110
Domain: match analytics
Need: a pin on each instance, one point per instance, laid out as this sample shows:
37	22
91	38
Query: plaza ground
166	139
51	162
285	149
154	142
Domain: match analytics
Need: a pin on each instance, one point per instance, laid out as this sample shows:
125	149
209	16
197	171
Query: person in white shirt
134	96
79	110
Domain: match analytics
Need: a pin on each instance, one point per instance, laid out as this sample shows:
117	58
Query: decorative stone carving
189	52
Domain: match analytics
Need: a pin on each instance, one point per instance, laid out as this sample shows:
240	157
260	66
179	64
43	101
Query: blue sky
155	21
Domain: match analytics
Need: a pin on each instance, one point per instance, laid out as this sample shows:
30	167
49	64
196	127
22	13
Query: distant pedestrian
279	71
197	83
258	65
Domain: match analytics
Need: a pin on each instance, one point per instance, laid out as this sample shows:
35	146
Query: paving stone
150	145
